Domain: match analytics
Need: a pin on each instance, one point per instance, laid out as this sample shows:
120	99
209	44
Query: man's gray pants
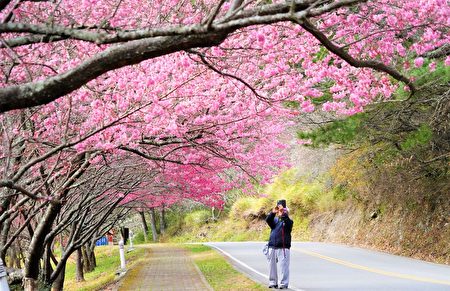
282	256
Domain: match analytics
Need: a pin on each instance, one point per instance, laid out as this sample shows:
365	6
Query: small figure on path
279	244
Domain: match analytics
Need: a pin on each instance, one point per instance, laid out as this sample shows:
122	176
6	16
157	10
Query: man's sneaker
273	286
283	287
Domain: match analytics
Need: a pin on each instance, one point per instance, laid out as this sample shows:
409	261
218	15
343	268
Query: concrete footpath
168	267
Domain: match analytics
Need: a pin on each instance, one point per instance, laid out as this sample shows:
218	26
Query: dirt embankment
422	233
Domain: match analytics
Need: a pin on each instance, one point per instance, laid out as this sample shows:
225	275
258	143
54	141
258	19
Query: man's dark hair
282	202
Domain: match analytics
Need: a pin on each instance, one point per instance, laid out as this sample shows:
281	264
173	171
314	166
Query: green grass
218	272
108	261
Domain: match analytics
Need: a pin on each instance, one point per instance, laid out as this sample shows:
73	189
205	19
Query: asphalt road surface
322	266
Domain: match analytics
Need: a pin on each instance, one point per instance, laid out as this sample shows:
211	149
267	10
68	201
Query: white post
122	255
131	241
3	280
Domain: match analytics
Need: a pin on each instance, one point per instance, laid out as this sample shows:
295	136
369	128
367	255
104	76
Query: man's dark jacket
280	226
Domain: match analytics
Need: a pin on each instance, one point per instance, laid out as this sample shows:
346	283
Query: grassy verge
218	272
108	261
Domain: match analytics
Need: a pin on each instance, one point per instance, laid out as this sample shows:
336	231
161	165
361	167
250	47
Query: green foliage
303	197
250	207
324	87
340	193
341	132
197	248
322	99
291	104
197	218
139	238
241	205
321	54
417	138
175	222
424	77
384	153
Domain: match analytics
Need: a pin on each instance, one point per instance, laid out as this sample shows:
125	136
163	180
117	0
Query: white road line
248	267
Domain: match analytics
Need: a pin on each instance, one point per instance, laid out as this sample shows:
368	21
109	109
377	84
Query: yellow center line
372	270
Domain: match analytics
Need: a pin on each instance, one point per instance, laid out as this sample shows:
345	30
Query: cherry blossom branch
30	39
339	51
214	14
6	214
266	14
133	52
210	66
4	3
13	237
11	185
149	157
142	45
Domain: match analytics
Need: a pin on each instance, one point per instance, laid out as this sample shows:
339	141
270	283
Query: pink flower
447	61
401	50
432	66
418	62
261	38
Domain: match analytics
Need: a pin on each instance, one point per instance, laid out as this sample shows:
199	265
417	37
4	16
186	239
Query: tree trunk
30	284
80	273
144	224
89	261
47	266
162	221
153	224
58	284
3	238
35	249
92	259
85	259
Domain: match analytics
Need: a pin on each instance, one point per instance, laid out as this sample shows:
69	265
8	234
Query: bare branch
214	14
11	185
209	65
133	52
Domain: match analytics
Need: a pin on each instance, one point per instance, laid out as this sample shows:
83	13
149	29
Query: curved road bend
323	266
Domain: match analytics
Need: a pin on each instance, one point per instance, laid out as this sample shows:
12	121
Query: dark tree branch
133	52
12	185
378	66
152	158
4	3
30	39
214	14
210	66
439	52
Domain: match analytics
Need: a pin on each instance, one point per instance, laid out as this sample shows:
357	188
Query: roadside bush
242	207
197	218
139	238
250	208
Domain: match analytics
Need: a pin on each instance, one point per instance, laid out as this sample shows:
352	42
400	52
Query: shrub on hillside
251	208
197	218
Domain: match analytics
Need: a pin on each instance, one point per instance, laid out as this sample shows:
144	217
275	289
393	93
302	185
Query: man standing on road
279	244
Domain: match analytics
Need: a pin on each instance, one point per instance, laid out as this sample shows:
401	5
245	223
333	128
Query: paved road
321	266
